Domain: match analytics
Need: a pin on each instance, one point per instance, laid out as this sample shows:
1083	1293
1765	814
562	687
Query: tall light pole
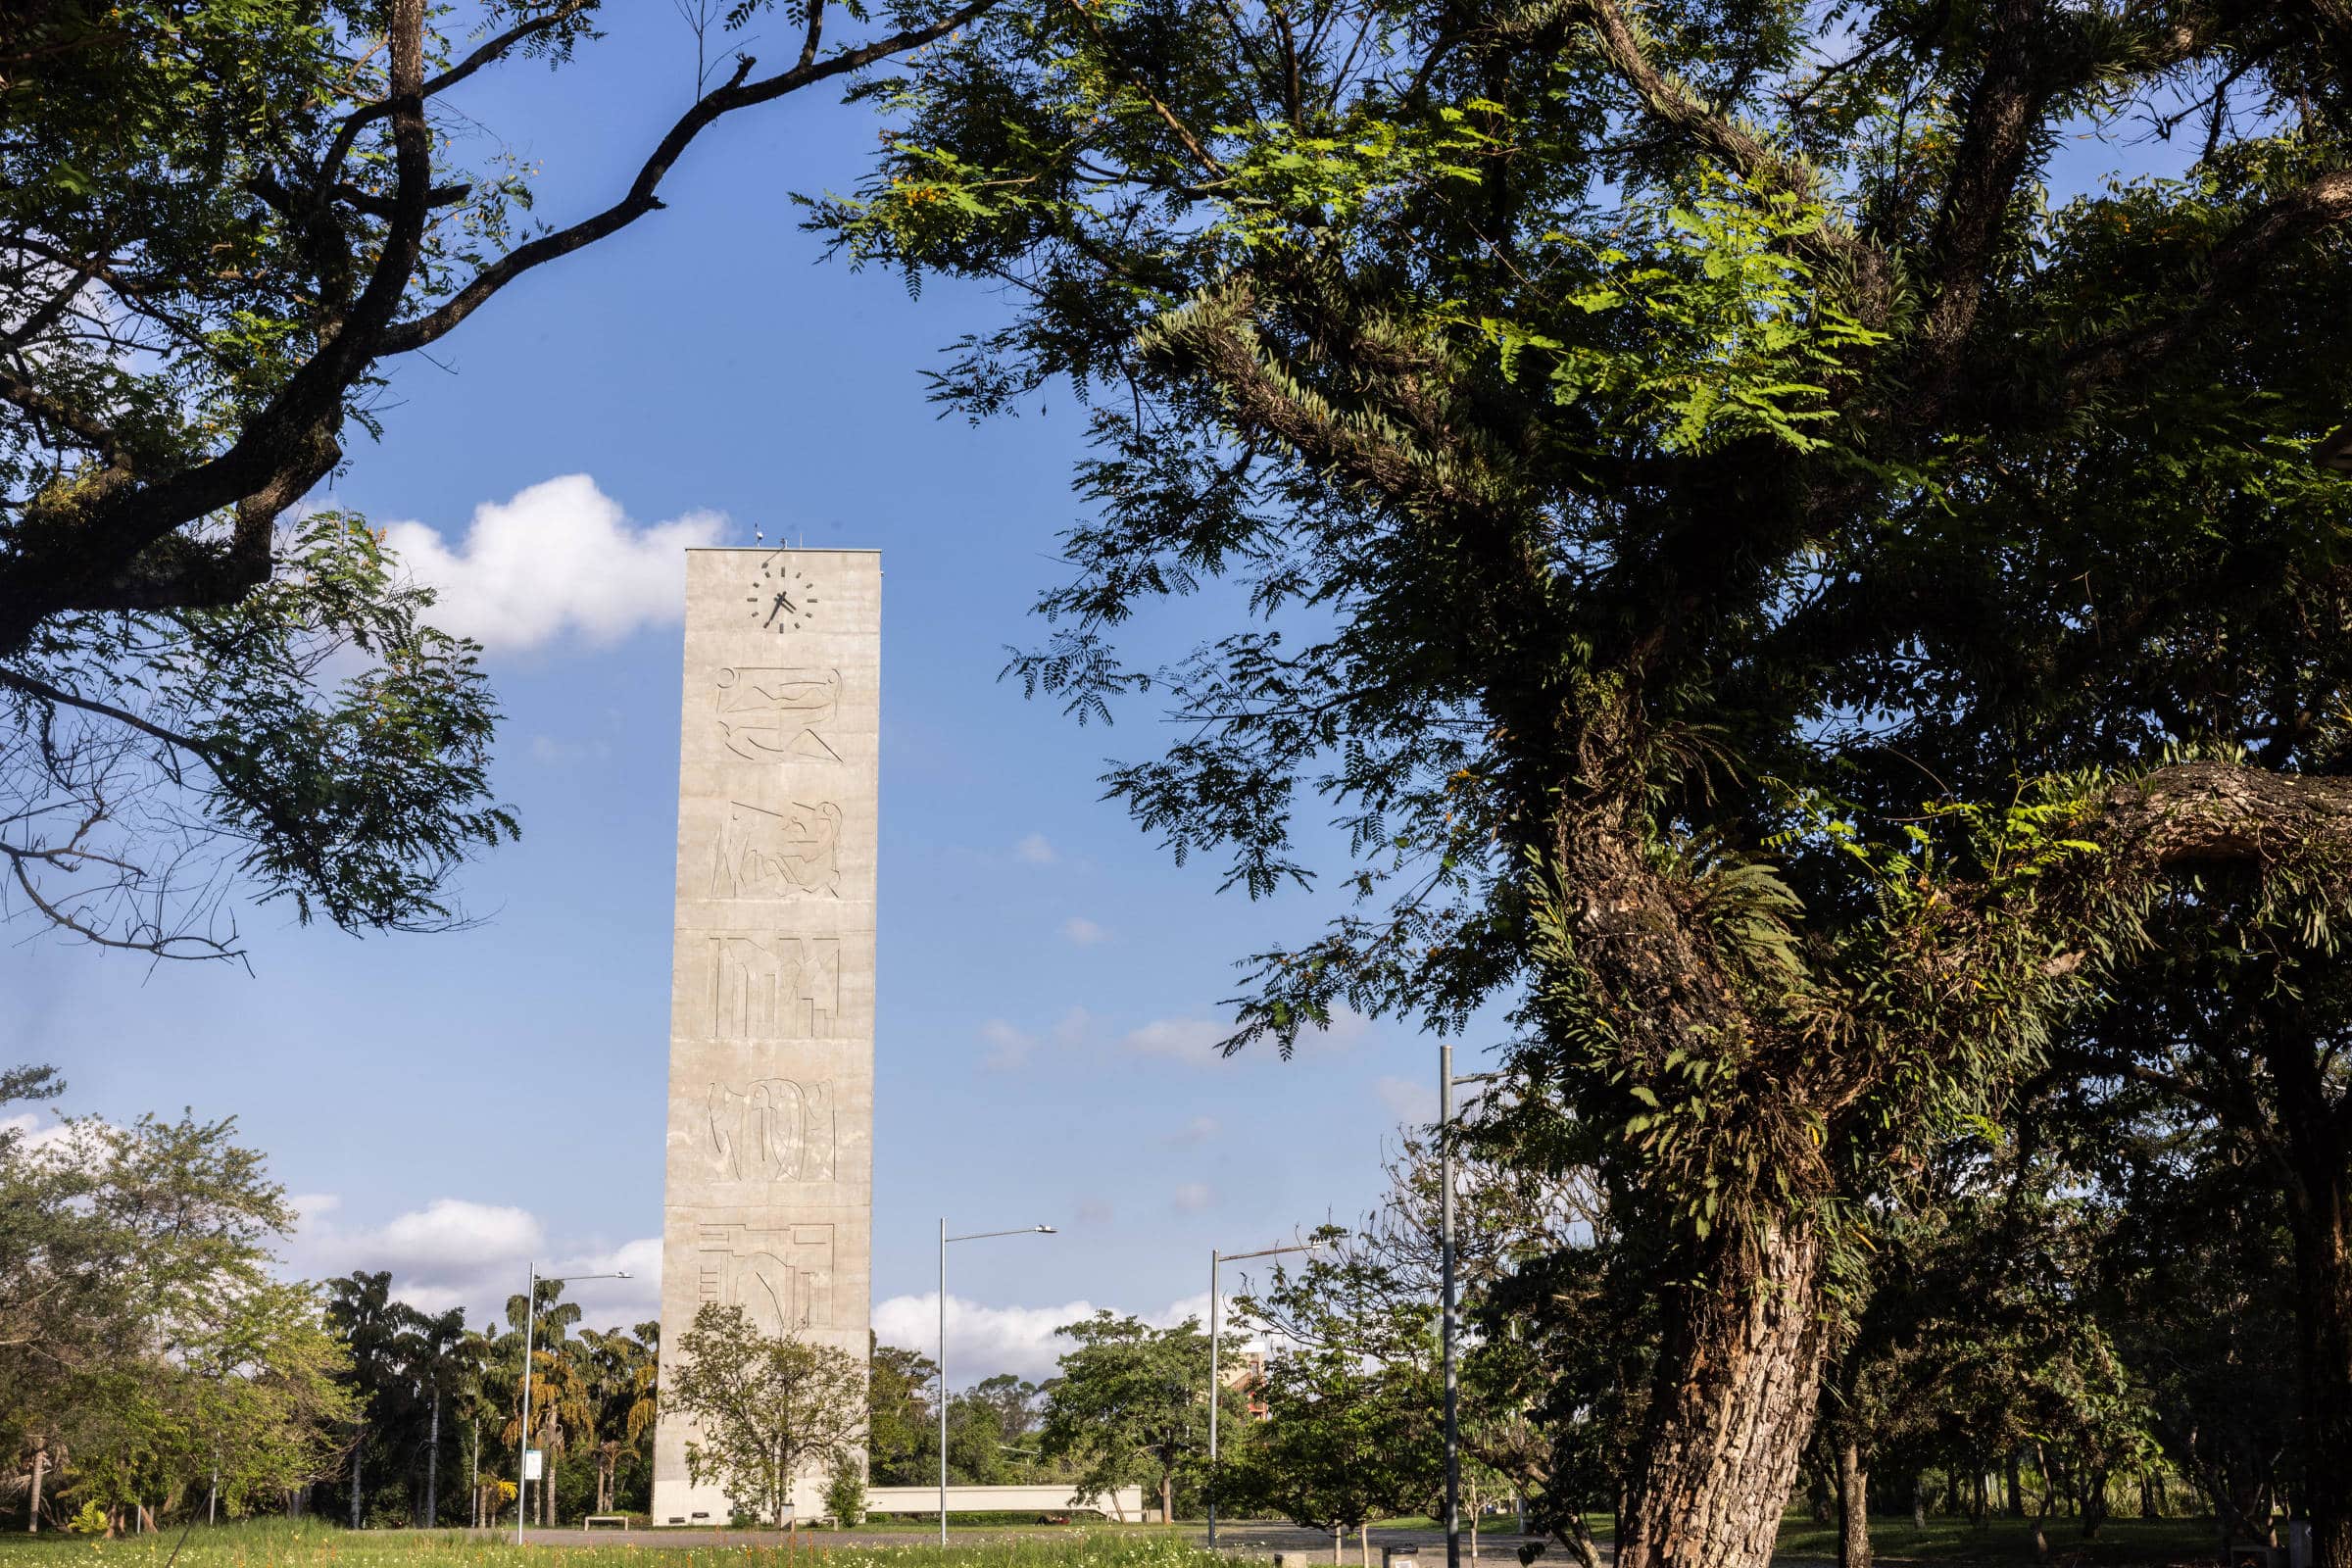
944	1240
530	1324
1216	1311
1454	1436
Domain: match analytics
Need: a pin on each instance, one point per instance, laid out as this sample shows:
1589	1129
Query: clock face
782	597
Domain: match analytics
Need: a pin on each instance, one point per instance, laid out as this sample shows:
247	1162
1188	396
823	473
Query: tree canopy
1763	585
221	232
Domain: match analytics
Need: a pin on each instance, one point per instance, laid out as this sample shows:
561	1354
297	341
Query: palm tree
620	1381
438	1350
557	1393
371	1325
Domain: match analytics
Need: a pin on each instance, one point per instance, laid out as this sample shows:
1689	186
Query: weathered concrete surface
769	1178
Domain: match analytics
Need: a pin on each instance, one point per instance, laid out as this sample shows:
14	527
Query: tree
2242	1031
765	1410
145	1345
901	1439
845	1492
558	1385
372	1326
1352	1395
222	230
623	1373
1711	535
440	1353
1129	1407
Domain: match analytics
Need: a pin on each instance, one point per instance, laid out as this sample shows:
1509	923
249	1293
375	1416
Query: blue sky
1049	984
448	1106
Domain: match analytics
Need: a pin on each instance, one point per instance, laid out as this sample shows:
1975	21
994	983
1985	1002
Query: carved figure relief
781	1277
773	1130
766	987
794	852
775	715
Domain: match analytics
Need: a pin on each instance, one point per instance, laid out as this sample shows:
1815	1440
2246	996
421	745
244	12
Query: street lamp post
531	1325
1216	1311
1446	1083
944	1240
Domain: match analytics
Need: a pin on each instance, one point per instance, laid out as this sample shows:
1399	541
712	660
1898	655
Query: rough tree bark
1732	1405
1853	1507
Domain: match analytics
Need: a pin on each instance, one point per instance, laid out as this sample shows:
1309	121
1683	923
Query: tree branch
643	194
2230	270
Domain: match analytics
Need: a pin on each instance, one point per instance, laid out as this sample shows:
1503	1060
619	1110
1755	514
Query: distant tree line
154	1365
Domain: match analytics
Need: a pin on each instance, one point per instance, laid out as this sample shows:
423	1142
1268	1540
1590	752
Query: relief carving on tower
779	715
790	853
773	1130
771	987
781	1276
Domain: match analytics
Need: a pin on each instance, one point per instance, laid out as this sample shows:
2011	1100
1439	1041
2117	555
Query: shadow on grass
2122	1543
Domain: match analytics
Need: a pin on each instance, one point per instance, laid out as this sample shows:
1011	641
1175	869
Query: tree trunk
2016	1508
2319	1208
432	1465
1167	1496
1853	1508
33	1512
1919	1501
2094	1501
359	1452
1732	1408
474	1466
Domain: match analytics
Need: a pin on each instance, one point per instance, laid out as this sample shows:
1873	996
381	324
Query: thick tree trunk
1732	1408
359	1452
1853	1508
2318	1204
2015	1502
2324	1313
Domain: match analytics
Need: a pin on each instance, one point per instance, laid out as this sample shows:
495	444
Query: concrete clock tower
769	1180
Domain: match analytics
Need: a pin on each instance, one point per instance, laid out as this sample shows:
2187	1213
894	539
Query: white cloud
33	1134
457	1252
1035	849
558	557
984	1340
550	751
1200	1129
1191	1198
1083	932
1009	1048
1196	1040
1189	1039
1348	1029
1408	1100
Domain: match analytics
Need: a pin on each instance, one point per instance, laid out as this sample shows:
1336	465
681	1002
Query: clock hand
780	603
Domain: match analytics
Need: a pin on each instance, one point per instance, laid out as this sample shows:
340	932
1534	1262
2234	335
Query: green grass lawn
312	1544
2122	1542
316	1543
